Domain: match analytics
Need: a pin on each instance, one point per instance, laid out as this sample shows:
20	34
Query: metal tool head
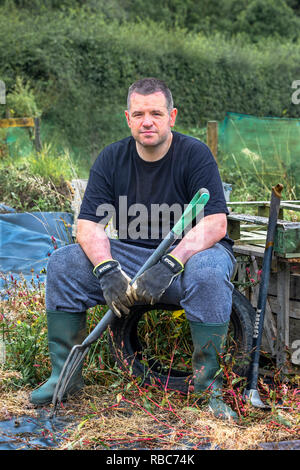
252	396
75	358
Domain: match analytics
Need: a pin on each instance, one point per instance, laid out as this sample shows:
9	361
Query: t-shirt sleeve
98	200
204	173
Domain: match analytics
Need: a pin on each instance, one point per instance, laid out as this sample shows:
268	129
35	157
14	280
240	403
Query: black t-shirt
147	198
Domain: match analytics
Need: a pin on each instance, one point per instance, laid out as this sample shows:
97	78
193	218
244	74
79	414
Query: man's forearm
205	234
93	240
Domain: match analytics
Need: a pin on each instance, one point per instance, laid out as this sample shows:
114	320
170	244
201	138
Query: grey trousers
203	290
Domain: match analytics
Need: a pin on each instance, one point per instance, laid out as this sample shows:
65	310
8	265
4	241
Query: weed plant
24	331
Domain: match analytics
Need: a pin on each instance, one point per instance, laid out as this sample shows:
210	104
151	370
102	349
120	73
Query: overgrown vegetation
21	101
237	15
37	182
80	74
115	410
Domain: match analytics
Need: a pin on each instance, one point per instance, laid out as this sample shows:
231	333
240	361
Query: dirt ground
99	419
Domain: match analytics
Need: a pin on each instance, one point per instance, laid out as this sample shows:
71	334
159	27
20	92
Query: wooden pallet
282	318
252	229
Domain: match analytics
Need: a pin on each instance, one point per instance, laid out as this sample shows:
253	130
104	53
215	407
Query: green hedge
80	67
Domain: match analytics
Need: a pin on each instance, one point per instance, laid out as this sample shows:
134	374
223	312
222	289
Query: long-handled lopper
251	393
78	352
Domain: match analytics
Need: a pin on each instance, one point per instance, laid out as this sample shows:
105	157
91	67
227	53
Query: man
154	166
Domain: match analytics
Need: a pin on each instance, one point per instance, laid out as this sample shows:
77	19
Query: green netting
265	147
16	141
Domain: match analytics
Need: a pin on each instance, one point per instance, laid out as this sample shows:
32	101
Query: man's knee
209	281
68	257
210	267
70	284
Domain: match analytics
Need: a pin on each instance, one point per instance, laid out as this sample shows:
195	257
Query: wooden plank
255	203
256	237
256	233
79	186
16	122
293	257
249	241
251	227
283	296
37	135
263	210
256	219
294	307
233	229
286	205
249	250
259	239
294	285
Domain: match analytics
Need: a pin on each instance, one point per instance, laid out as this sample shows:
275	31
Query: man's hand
115	286
150	286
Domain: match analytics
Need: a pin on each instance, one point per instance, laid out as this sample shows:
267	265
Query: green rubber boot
209	341
65	330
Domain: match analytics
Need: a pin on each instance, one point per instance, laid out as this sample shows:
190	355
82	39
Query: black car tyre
131	349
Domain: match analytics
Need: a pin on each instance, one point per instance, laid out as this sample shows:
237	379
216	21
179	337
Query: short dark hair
149	85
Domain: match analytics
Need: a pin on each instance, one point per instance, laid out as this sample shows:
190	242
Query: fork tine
70	372
64	375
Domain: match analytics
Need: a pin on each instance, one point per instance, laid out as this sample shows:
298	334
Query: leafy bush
21	102
193	15
265	18
31	186
80	65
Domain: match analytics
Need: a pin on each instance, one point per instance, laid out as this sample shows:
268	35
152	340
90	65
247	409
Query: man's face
149	119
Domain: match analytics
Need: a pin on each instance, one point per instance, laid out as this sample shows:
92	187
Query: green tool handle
192	210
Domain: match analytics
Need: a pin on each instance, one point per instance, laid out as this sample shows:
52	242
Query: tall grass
38	181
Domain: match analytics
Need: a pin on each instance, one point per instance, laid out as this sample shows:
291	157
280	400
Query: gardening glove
115	286
150	286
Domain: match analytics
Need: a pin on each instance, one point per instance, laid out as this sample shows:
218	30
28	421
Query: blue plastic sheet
28	239
34	433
